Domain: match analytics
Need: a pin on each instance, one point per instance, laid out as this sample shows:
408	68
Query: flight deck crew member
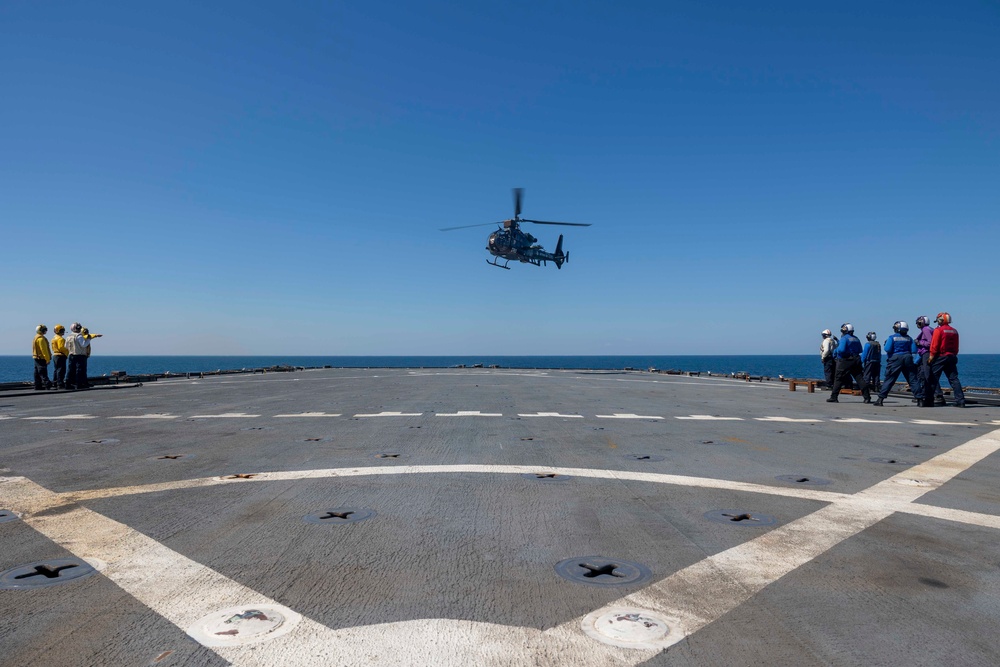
923	341
77	346
59	357
944	358
42	354
848	355
899	350
85	332
826	349
871	361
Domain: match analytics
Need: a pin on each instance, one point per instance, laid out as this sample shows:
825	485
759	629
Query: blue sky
270	178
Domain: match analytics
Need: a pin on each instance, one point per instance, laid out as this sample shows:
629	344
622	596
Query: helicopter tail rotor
558	257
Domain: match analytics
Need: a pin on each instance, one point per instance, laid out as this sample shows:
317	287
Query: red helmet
944	318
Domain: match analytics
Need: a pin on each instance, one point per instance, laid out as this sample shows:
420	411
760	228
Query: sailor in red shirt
944	359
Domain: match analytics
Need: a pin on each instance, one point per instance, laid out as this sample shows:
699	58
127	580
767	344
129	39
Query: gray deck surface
892	561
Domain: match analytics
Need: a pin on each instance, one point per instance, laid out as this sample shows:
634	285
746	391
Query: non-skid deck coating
191	498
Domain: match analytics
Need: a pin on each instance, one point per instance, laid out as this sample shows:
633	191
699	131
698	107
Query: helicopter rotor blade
518	193
567	224
482	224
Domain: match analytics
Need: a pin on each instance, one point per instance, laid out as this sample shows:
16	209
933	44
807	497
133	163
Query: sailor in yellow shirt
42	354
59	356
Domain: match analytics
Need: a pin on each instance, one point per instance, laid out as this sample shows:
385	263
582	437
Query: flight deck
494	517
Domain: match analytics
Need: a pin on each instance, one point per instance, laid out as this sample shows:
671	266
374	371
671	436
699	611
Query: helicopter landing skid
496	263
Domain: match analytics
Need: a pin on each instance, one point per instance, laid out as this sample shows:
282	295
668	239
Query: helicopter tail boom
558	257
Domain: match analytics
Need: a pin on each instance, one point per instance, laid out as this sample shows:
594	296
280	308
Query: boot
832	399
878	401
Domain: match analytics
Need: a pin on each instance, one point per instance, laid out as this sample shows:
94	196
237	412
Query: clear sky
270	177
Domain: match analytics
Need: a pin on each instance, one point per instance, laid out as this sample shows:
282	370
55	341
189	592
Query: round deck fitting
709	442
243	625
339	516
647	458
898	462
915	445
803	479
45	573
627	627
601	571
389	455
546	477
741	518
171	457
8	515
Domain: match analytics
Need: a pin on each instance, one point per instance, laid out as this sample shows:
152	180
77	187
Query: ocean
975	370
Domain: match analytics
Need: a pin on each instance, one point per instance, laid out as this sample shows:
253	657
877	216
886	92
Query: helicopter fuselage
511	243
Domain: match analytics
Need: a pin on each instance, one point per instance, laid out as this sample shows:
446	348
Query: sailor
848	355
42	354
826	349
77	346
923	341
871	361
899	350
60	356
944	358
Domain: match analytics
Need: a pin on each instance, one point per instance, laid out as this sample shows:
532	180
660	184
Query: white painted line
224	415
3	417
549	414
712	418
63	417
152	415
958	516
392	414
861	420
309	414
469	413
932	422
627	415
787	419
289	475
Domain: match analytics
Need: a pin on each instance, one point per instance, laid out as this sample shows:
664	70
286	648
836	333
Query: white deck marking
958	516
627	415
549	414
469	413
310	414
62	417
392	414
861	420
225	415
932	422
787	419
712	418
152	415
3	417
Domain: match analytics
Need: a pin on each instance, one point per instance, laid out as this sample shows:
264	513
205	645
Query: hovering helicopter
510	242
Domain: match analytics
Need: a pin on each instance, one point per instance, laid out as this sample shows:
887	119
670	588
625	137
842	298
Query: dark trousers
76	376
847	368
924	372
41	374
829	369
901	363
948	365
59	370
873	374
83	371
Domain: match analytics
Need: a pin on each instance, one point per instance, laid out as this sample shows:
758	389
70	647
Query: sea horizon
975	370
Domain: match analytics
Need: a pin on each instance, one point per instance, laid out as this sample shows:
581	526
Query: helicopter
510	242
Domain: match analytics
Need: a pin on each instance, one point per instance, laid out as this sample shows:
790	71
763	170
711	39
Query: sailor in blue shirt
848	355
871	360
899	350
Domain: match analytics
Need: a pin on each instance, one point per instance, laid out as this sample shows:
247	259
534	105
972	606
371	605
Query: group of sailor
69	355
936	349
